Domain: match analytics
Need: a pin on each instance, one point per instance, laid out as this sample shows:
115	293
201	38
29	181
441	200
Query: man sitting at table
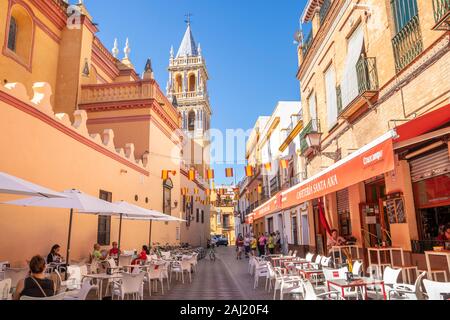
114	252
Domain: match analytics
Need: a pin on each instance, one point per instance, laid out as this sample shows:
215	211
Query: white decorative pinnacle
171	52
127	49
199	50
115	50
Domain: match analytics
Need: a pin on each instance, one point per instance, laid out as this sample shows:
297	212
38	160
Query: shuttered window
104	223
330	85
403	11
349	85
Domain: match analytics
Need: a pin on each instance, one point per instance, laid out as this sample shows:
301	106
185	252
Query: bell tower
187	88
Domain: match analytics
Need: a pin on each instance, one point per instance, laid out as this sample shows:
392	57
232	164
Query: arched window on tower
192	83
179	83
12	36
191	121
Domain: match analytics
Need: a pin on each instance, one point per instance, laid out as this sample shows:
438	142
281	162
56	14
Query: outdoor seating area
113	278
316	277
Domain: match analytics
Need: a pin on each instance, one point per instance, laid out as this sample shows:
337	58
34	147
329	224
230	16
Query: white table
443	253
100	277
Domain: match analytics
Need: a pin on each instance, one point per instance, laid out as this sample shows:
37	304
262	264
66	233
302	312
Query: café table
309	273
278	261
100	277
442	253
357	284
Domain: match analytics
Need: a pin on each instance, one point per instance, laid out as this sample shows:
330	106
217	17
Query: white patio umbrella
142	214
13	185
74	200
133	212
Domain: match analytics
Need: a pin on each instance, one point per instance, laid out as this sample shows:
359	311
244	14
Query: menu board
395	209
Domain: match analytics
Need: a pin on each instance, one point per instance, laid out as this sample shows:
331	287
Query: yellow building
375	98
74	115
223	220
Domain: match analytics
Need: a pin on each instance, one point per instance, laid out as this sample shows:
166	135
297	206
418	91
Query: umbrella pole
150	234
120	231
68	242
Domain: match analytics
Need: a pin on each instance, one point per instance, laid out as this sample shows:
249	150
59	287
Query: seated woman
97	254
36	285
54	255
142	256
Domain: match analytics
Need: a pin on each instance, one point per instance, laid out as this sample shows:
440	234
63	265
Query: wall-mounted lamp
123	171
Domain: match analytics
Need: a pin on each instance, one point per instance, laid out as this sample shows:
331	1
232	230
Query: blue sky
248	46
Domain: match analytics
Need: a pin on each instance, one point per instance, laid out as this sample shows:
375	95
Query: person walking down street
271	243
254	245
247	242
262	245
239	246
278	242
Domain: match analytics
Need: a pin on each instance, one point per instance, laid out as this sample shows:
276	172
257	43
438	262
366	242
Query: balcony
307	44
189	95
312	127
275	185
292	131
441	9
407	44
368	87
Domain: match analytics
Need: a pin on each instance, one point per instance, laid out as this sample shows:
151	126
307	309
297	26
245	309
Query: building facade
223	214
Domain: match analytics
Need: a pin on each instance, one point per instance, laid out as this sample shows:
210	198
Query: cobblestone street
224	279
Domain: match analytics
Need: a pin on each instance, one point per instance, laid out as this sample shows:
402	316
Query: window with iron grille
203	216
404	11
104	223
198	215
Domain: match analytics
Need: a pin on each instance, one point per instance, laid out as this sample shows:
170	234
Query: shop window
203	216
104	223
167	196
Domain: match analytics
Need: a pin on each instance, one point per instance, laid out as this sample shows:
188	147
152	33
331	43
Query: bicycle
212	253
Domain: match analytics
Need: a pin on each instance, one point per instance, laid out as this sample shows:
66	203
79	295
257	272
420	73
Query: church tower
188	90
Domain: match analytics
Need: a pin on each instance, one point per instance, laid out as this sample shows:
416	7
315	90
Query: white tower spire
115	50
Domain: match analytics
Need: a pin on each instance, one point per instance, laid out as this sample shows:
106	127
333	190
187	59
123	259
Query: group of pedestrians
264	244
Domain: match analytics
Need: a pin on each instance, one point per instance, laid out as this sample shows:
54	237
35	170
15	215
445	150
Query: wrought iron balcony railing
339	98
441	9
366	70
407	44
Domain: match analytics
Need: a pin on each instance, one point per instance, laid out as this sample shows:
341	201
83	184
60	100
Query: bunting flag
249	171
191	175
260	189
165	174
268	166
229	172
221	192
208	192
284	164
196	191
209	174
188	199
184	191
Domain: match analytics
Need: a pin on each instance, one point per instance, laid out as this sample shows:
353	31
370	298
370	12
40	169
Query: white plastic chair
357	267
56	297
341	274
130	284
5	289
261	270
16	275
390	278
310	293
165	255
125	260
435	290
154	275
407	291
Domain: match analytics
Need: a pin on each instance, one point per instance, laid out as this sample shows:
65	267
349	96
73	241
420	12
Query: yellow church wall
60	163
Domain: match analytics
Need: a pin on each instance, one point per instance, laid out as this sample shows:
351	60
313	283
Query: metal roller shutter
342	201
430	166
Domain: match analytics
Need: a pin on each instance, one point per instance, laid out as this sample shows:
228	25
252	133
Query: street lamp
313	139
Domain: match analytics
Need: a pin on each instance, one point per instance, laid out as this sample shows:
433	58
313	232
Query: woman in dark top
54	255
36	285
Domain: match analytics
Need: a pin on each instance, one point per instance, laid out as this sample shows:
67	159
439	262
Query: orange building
74	115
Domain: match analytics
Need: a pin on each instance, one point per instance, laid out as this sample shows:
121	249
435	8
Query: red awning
423	124
370	161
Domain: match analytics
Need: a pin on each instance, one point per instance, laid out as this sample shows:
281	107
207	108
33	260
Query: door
320	231
294	229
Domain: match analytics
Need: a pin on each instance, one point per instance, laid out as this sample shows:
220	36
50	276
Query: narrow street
224	279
